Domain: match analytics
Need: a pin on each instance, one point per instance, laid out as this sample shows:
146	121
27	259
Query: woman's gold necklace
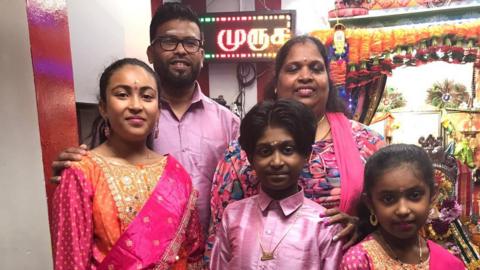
324	136
269	255
420	255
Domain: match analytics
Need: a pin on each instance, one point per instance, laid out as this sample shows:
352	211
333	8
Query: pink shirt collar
198	96
288	205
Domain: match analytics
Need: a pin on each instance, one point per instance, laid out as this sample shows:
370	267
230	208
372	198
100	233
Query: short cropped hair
172	11
289	114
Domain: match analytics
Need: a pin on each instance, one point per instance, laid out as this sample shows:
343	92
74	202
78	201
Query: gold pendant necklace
269	255
420	255
321	137
266	256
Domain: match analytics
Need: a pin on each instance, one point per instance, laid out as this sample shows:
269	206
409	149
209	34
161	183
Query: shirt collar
198	96
288	205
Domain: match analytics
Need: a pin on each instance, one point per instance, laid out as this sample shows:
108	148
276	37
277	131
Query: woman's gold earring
373	219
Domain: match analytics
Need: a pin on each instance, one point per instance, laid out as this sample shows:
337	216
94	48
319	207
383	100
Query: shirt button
268	232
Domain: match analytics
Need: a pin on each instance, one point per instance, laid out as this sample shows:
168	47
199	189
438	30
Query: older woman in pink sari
124	206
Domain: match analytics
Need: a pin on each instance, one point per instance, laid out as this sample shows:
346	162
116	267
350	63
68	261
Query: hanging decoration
391	99
337	55
372	52
447	94
339	40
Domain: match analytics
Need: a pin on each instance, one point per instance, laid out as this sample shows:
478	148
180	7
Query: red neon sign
246	36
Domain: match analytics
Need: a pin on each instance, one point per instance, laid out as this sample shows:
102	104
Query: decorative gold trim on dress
130	185
171	252
381	260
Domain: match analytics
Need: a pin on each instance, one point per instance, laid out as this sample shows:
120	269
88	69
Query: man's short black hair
289	114
172	11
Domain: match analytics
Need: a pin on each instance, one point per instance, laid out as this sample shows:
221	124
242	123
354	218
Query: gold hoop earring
373	219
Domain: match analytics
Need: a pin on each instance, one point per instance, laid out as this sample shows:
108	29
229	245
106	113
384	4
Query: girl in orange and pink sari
124	206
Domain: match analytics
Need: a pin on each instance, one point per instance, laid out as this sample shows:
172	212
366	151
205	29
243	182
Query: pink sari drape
154	237
440	258
349	162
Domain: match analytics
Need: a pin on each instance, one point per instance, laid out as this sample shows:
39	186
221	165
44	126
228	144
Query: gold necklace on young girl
396	258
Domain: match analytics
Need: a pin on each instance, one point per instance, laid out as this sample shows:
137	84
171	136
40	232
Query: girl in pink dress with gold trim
124	206
399	192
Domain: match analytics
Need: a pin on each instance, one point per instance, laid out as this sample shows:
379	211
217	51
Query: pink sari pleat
349	162
152	238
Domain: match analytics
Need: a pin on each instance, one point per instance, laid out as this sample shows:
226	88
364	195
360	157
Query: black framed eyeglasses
191	45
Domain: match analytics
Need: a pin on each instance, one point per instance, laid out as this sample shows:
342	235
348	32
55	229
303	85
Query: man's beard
176	80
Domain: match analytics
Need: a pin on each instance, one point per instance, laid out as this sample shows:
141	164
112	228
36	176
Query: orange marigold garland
471	38
436	42
376	47
374	51
354	42
338	72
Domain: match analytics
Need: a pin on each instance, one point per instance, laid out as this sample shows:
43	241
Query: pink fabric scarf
442	259
349	162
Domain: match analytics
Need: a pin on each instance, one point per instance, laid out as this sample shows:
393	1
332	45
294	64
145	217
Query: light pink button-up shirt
307	245
198	140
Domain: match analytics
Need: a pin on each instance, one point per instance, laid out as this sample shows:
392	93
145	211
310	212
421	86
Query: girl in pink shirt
278	228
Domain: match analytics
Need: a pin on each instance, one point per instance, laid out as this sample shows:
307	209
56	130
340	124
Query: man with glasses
192	127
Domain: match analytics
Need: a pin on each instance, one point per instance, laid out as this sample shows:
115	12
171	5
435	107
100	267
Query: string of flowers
378	51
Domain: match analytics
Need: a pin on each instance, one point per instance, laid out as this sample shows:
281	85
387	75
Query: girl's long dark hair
97	134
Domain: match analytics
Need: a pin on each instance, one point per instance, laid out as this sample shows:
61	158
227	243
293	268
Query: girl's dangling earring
106	129
275	92
373	219
155	131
